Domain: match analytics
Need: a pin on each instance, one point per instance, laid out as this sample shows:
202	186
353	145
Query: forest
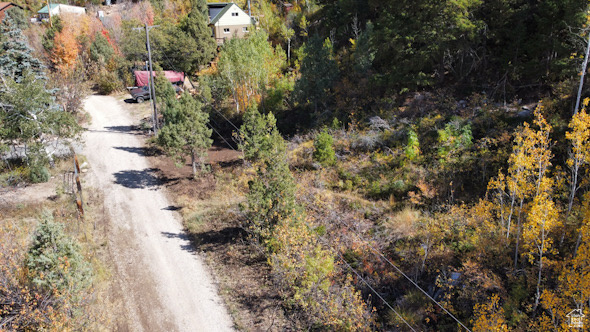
406	164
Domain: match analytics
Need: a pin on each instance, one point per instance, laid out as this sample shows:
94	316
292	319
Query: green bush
39	174
324	152
55	260
413	146
107	83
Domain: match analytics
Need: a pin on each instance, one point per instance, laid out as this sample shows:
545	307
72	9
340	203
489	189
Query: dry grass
402	224
22	219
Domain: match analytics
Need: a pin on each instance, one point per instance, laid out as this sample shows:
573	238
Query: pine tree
168	105
188	134
101	50
260	140
272	192
28	114
195	25
16	57
318	73
323	150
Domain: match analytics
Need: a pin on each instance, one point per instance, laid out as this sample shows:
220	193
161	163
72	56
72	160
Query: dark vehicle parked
139	94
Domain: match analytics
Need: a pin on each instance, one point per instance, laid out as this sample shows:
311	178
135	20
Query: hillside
397	165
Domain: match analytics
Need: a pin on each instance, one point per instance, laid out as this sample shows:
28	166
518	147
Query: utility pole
151	73
49	12
154	119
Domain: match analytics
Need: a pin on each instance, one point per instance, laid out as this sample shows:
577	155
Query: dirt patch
26	194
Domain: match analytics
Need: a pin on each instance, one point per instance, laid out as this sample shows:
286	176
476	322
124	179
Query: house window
244	29
225	30
234	14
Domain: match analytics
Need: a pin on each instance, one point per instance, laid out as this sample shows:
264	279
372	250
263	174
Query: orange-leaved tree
65	51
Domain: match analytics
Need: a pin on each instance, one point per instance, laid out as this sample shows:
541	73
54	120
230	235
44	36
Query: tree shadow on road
188	246
141	151
208	241
134	179
132	130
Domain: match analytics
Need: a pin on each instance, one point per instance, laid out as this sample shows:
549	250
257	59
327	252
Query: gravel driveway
162	283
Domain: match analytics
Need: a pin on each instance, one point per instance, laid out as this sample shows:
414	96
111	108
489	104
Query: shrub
368	142
39	174
324	151
304	270
413	147
107	82
55	261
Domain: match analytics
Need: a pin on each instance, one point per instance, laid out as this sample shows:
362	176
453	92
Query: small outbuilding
57	9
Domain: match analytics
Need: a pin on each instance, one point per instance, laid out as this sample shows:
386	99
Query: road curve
163	284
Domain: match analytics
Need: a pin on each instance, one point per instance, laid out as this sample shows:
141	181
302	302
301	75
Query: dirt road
163	284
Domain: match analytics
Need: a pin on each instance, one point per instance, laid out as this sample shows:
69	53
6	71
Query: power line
368	285
409	279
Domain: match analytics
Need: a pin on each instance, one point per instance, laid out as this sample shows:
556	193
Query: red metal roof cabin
142	77
4	6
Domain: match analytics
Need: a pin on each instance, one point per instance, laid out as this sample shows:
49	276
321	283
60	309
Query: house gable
230	15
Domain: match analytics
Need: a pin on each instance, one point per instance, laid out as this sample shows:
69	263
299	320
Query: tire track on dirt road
162	283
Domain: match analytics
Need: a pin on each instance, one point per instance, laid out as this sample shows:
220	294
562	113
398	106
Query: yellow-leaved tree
541	220
489	316
579	156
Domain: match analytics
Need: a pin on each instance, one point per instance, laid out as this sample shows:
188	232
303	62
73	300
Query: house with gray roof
228	20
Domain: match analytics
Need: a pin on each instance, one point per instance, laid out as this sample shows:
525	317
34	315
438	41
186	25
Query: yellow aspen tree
541	148
553	302
579	154
575	277
532	160
515	185
497	187
489	316
541	219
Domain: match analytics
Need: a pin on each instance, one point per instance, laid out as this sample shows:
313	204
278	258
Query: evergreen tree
272	192
412	36
49	36
187	134
28	112
16	57
260	140
195	25
168	105
324	152
55	260
318	73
